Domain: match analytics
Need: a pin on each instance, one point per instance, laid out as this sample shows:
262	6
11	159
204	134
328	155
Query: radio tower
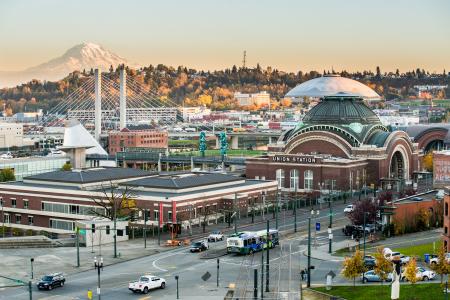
244	59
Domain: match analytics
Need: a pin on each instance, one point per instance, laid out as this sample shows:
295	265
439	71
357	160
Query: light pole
145	228
98	264
32	273
3	217
176	278
330	233
364	229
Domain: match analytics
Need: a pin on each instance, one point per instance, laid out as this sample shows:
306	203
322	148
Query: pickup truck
146	283
215	236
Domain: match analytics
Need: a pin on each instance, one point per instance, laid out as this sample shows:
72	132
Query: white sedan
422	274
349	208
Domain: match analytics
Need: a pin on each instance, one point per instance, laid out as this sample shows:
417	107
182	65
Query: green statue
202	143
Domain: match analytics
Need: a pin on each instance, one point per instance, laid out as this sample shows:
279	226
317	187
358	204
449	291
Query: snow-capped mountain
79	57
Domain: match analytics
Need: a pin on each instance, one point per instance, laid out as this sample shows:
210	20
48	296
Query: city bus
250	242
244	243
273	238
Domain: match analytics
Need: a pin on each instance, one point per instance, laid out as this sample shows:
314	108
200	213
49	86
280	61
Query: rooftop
89	175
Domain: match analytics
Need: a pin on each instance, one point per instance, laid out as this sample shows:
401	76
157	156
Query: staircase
28	242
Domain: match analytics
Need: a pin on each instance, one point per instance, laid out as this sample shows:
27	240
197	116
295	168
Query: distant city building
399	120
137	137
28	116
258	99
195	113
11	135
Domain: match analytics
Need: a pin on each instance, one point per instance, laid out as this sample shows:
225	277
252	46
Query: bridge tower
123	99
98	104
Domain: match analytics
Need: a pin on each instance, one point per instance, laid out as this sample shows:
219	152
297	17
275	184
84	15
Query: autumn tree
411	271
66	167
353	266
362	207
442	265
382	265
204	214
427	162
116	203
7	175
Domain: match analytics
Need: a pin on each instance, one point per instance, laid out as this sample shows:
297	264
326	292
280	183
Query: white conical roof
330	85
76	136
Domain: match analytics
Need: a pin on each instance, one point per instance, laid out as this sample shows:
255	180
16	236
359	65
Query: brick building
54	201
340	145
136	137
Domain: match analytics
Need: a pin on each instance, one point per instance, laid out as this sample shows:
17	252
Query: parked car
48	282
349	208
369	261
199	246
215	236
354	230
422	274
435	259
371	276
371	228
146	283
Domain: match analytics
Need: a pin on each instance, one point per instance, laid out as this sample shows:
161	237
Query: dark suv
48	282
199	246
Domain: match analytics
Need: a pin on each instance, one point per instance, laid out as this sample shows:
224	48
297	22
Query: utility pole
159	229
98	264
77	241
330	233
276	209
255	284
218	272
32	273
308	282
262	273
364	230
235	213
115	227
30	290
244	59
267	257
145	228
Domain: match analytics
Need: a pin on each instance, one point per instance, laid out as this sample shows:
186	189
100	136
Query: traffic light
107	229
93	228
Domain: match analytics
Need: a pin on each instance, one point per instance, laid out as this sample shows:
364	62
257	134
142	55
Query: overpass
272	135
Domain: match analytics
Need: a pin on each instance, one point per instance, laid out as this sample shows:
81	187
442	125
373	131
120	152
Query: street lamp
3	217
308	283
99	266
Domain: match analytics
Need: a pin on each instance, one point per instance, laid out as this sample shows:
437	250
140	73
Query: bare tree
204	213
116	203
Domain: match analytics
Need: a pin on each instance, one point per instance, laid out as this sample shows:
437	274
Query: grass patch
374	291
419	250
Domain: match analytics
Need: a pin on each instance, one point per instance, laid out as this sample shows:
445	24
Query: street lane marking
161	269
145	298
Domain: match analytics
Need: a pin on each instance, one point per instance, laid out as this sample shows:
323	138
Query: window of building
25	204
309	180
18	219
446	208
119	232
107	229
294	179
7	218
156	214
169	216
30	220
61	224
280	178
13	202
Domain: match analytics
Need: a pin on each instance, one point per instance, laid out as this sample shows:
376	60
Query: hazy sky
208	34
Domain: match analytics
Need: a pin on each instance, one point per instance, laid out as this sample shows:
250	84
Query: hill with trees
214	89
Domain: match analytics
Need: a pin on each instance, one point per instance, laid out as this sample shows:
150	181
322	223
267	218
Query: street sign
331	273
317	226
206	276
82	231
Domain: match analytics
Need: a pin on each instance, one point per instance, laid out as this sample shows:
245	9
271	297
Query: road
285	259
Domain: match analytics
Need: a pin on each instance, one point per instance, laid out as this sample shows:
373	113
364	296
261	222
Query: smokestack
123	99
98	104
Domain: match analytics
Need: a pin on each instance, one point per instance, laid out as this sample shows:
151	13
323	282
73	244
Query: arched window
309	180
294	179
280	178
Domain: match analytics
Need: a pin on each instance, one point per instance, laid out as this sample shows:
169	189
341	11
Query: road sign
331	273
206	276
317	226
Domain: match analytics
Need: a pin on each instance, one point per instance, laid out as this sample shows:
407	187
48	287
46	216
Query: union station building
340	145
